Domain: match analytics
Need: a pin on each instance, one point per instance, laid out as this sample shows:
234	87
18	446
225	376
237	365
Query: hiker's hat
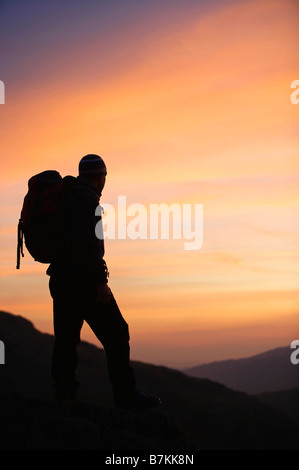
92	165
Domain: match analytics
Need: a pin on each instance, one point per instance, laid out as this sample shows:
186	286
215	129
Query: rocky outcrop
30	424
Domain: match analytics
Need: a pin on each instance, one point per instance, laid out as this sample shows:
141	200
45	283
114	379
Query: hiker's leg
108	324
68	322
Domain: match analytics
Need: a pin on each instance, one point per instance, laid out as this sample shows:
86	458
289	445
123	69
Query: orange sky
195	110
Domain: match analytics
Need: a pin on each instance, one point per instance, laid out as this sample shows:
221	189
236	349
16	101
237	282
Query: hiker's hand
104	293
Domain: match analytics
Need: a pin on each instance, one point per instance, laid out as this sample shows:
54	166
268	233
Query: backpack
40	222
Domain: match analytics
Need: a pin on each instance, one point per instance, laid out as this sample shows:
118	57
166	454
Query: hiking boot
65	397
65	394
138	401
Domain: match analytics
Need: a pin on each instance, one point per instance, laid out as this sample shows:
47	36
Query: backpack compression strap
20	243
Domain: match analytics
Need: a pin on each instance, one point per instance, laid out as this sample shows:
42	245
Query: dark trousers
73	303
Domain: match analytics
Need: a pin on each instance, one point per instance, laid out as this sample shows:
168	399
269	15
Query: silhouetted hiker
80	291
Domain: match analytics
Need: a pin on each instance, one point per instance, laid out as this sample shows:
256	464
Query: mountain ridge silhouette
195	414
269	371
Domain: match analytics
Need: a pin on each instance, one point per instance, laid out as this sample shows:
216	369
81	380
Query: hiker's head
93	168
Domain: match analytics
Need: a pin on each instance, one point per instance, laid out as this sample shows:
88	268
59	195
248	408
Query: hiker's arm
104	293
87	250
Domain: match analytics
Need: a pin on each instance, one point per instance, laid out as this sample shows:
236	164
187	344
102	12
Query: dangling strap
20	243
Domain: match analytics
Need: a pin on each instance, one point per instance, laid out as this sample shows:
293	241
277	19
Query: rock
31	424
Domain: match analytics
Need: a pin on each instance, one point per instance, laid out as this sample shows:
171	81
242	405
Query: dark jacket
82	252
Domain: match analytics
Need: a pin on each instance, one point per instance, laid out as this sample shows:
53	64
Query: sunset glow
189	103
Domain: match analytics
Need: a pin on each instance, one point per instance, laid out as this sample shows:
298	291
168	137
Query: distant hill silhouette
271	371
196	413
285	400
